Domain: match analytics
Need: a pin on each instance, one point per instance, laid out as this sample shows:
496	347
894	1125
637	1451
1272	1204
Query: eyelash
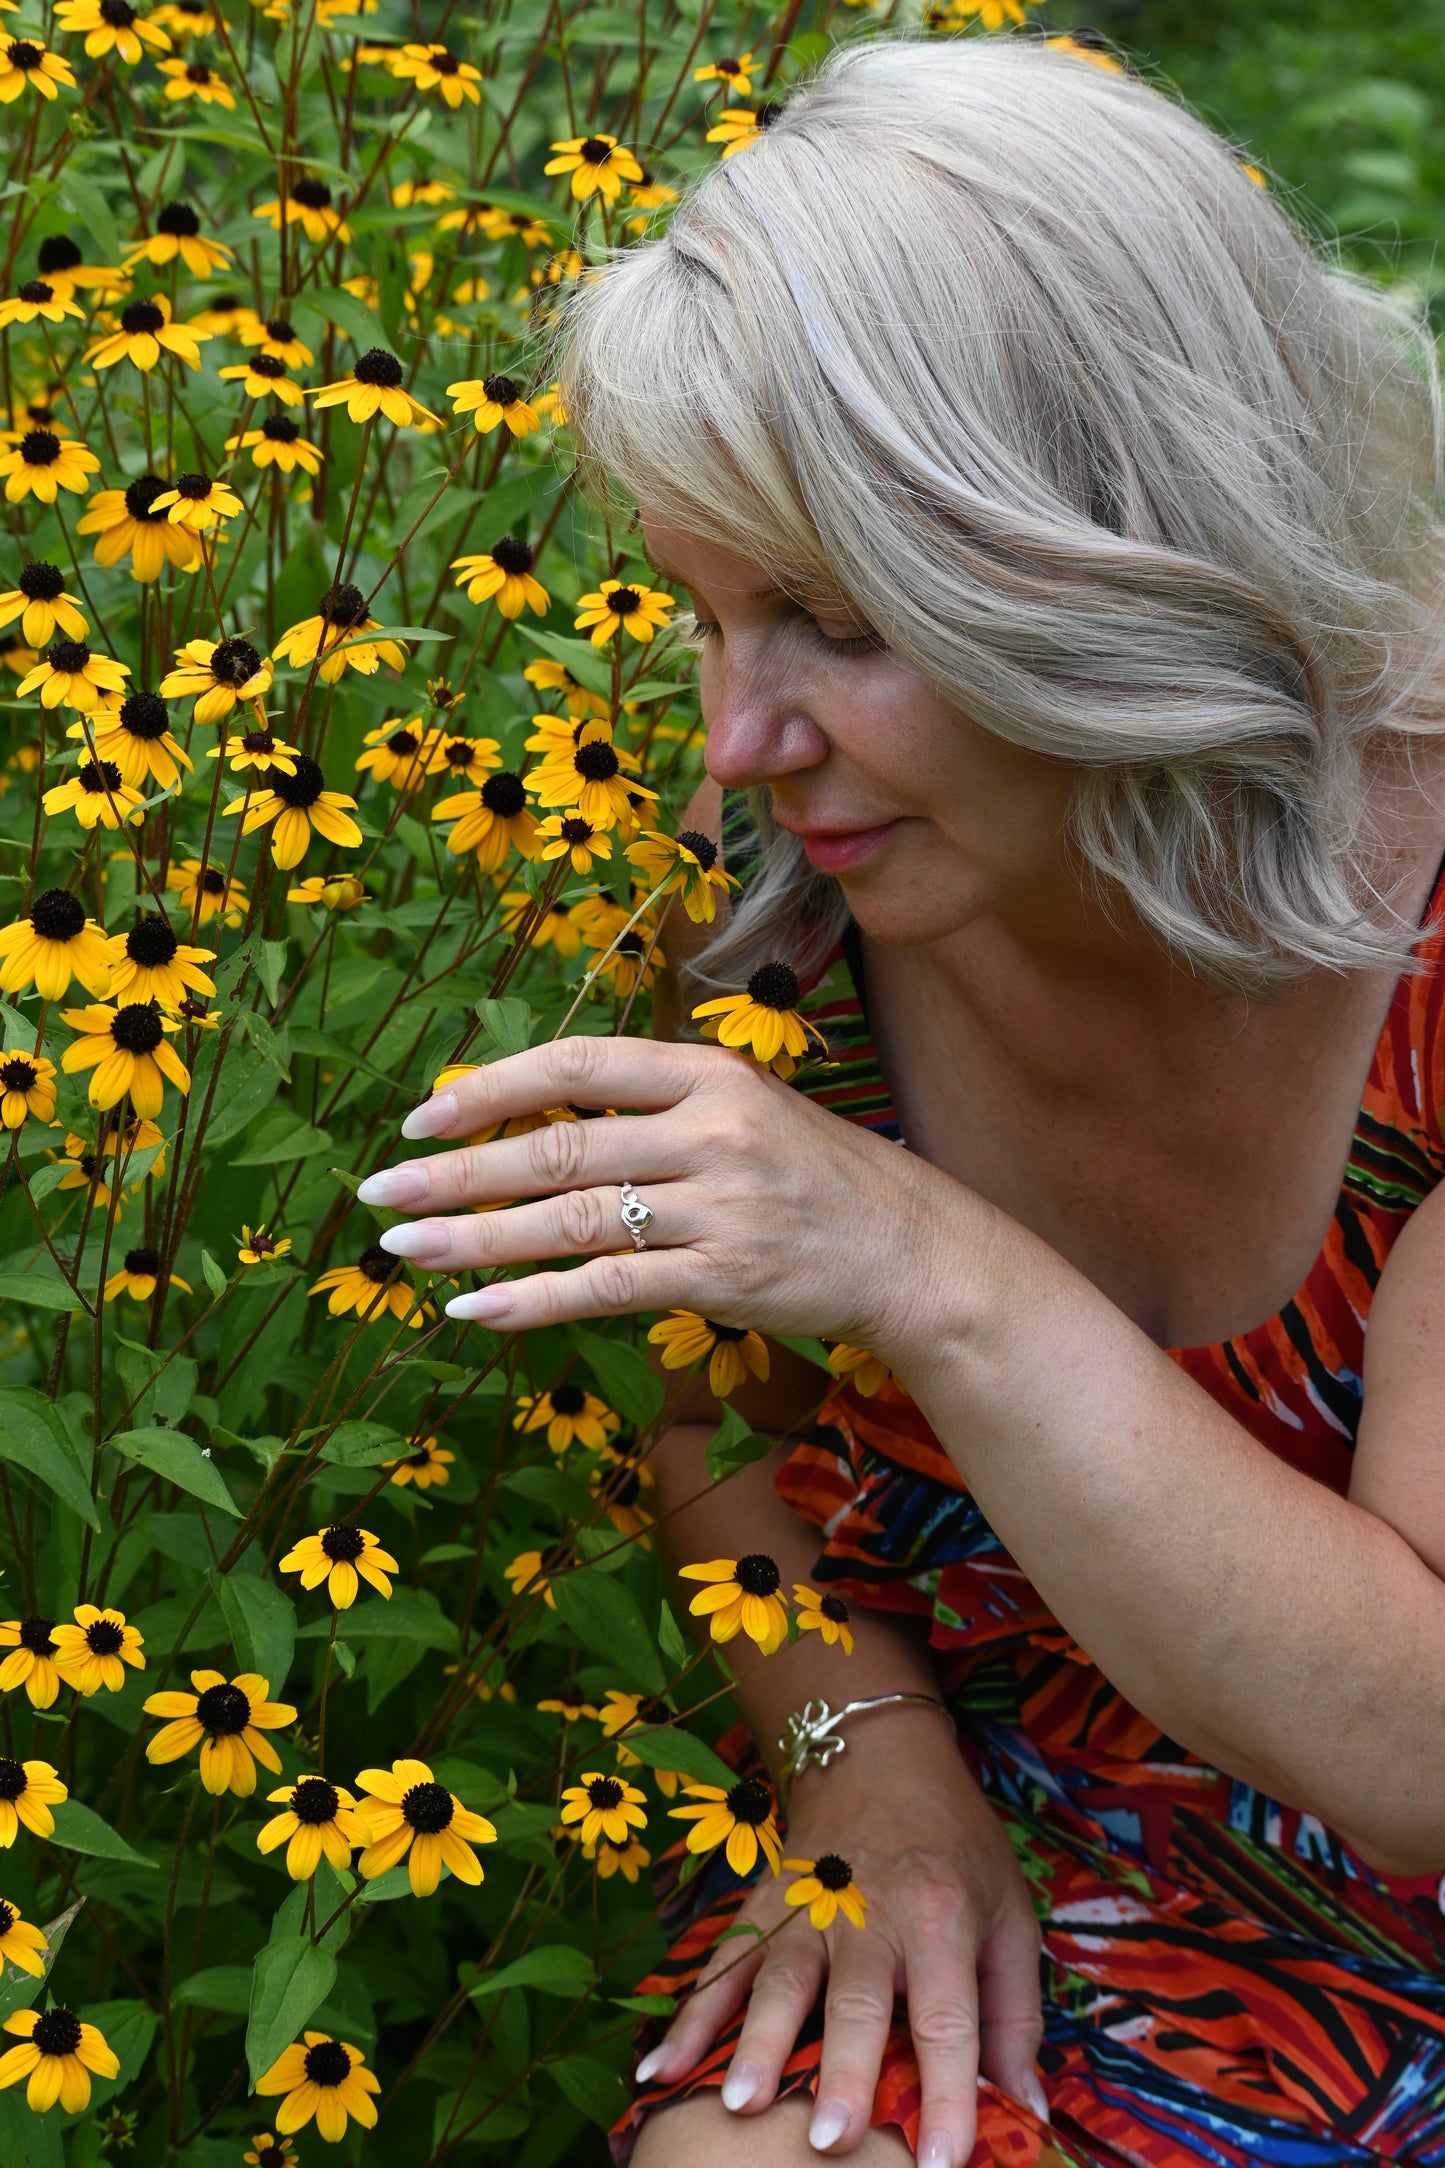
704	629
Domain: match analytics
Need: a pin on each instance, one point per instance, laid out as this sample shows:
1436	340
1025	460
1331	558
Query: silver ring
637	1217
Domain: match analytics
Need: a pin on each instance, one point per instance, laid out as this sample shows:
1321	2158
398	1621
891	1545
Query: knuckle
616	1283
557	1151
580	1060
943	2025
580	1216
859	2002
785	1980
940	1907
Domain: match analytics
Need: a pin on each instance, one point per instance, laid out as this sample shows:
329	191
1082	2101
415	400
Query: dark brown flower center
67	656
223	1711
314	1801
13	1779
145	1264
703	849
39	447
624	600
193	1008
311	195
378	367
36	291
504	794
100	776
24	55
263	1244
596	762
459	754
137	1027
750	1802
271	366
343	1544
623	1487
57	915
774	986
259	741
300	789
443	63
177	218
280	329
234	662
35	1635
377	1264
832	1872
567	1399
327	2063
141	494
213	881
344	606
195	488
429	1808
280	429
767	114
403	743
17	1074
57	2032
596	151
198	73
8	1917
141	316
511	556
834	1608
57	252
501	390
102	1636
144	715
151	943
758	1574
576	830
605	1792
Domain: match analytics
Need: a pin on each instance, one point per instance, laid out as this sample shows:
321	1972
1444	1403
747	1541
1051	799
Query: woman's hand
949	1926
768	1211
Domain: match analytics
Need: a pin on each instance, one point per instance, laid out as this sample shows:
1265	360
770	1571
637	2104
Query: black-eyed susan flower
318	1822
687	1337
490	821
628	1860
567	835
589	779
466	760
71	675
178	228
598	164
684	865
427	1463
260	751
569	1414
826	1886
197	502
639	611
59	258
743	1595
150	963
373	1286
130	524
866	1371
38	298
24	60
28	1791
51	944
31	1661
277	335
738	126
555	929
326	2078
409	1816
94	1651
82	1169
622	1490
555	677
260	1247
399	753
57	2054
332	891
225	316
741	1818
827	1614
308	206
136	736
627	957
604	1806
193	1010
146	332
406	193
343	1557
736	74
20	1943
139	1275
434	67
530	1574
278	443
218	673
193	79
43	463
27	1088
373	387
112	26
269	2149
570	1703
228	1719
764	1021
493	399
219	896
95	794
129	1051
299	802
263	374
337	631
504	574
636	1712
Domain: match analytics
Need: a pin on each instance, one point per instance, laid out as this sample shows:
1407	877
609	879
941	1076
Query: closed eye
701	630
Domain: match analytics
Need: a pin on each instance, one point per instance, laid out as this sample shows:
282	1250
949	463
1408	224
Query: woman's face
927	821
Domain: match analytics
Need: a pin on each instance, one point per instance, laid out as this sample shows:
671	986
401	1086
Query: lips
837	850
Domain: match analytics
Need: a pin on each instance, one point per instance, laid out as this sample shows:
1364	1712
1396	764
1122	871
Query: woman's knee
700	2133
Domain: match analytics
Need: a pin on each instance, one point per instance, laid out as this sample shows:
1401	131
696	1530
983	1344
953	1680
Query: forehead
696	561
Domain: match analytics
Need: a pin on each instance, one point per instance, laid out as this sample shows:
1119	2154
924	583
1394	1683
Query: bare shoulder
681	938
1401	1447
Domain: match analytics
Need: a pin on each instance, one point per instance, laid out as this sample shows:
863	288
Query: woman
1060	538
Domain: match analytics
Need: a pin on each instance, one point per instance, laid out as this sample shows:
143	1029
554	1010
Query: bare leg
701	2133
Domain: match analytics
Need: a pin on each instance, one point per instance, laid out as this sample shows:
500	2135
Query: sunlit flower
299	802
149	963
128	1050
260	1247
604	1806
178	233
136	736
226	316
198	502
530	1575
228	1720
827	1614
636	1712
51	944
24	60
218	673
410	1816
564	835
432	67
333	891
569	1702
589	778
504	572
740	1818
621	1490
193	79
58	2051
374	1285
112	26
765	1021
570	1416
139	1276
426	1463
322	2077
743	1596
256	751
866	1371
72	676
490	820
627	958
555	929
399	753
20	1943
373	387
309	207
627	1860
60	259
43	463
405	193
826	1886
278	443
343	1557
38	298
220	896
340	621
276	335
260	374
493	399
686	1337
95	794
318	1822
31	1661
736	74
686	865
270	2150
146	331
466	760
639	611
738	126
94	1652
129	524
556	677
28	1791
598	164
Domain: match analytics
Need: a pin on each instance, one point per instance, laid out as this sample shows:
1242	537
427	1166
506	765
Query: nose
756	731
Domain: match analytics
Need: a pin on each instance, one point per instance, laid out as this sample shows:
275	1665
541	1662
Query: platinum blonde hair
1013	353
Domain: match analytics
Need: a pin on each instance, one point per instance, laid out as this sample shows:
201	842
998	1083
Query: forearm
1282	1633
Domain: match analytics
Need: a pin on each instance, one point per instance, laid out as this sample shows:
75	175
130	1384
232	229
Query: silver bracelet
812	1733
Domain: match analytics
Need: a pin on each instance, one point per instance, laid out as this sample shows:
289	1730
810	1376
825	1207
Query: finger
942	1980
604	1287
856	2019
585	1072
784	1992
578	1223
721	1988
561	1155
1010	2009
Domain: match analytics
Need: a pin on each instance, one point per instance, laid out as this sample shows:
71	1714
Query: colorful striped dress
1223	1979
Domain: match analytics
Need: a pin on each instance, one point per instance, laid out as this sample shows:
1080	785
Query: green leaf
362	1445
291	1979
28	2140
259	1032
733	1445
270	964
262	1622
33	1437
591	666
812	1351
670	1637
411	1614
281	1133
177	1458
605	1616
646	2005
342	309
555	1969
45	1289
590	2086
87	200
220	1987
672	1748
79	1828
18	1989
626	1377
213	1275
508	1023
129	2029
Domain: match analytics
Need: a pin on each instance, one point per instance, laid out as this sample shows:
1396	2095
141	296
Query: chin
904	914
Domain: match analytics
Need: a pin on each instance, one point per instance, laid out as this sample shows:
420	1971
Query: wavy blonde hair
1013	353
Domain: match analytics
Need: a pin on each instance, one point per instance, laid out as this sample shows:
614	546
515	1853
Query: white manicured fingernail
396	1185
653	2065
828	2125
488	1306
425	1242
1034	2096
438	1114
740	2084
936	2152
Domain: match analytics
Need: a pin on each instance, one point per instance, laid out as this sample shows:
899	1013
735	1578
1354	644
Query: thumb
1010	2008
